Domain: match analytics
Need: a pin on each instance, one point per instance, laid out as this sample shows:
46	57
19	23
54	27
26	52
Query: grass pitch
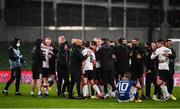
27	101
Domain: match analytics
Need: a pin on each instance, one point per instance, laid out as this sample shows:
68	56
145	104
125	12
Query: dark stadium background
86	19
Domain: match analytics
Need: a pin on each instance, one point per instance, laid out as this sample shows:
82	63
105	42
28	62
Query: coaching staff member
75	67
172	57
122	60
105	56
62	66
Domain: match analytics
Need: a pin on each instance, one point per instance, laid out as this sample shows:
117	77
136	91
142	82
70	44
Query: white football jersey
163	60
46	53
89	61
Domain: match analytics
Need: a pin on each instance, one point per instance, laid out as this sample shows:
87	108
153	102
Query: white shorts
132	94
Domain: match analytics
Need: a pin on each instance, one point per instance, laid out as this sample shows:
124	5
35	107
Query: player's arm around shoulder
155	54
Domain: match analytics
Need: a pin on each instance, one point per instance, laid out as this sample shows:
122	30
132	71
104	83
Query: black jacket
122	61
137	63
62	58
75	62
52	60
104	55
171	60
37	59
151	64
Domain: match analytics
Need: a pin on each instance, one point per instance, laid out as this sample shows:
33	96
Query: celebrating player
87	70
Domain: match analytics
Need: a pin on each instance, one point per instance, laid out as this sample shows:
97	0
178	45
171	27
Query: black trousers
15	74
63	74
171	81
75	79
136	72
66	84
108	78
152	78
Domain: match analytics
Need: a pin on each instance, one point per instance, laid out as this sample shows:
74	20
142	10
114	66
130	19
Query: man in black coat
172	57
122	58
105	56
137	65
62	66
74	67
151	71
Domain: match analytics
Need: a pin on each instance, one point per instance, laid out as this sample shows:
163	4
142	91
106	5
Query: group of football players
99	69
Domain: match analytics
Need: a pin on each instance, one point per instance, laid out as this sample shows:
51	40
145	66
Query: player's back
123	89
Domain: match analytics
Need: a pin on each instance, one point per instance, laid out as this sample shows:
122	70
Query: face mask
18	44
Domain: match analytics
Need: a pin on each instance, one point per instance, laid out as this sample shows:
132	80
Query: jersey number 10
123	87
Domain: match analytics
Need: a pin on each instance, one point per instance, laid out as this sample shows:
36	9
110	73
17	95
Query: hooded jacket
15	56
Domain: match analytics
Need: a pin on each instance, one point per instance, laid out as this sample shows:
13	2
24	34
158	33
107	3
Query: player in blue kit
126	89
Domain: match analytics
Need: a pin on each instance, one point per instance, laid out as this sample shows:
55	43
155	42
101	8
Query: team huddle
99	69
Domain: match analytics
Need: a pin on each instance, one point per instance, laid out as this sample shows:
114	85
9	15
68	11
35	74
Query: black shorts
52	69
45	72
36	71
89	74
164	75
97	74
107	76
136	74
36	75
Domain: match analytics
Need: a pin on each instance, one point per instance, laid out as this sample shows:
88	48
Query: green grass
26	101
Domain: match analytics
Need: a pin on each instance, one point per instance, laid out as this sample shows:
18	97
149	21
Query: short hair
96	38
15	41
73	40
161	41
87	44
168	40
111	41
38	43
120	40
148	43
137	39
104	40
93	43
47	37
78	41
127	75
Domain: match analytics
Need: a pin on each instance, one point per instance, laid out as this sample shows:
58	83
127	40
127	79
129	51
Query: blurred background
28	20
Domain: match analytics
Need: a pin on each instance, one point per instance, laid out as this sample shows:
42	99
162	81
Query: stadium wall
29	34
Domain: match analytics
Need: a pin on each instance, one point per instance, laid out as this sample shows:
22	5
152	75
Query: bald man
74	67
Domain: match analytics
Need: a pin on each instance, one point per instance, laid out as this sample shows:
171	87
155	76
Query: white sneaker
155	98
40	95
112	94
106	96
32	93
93	97
166	98
138	101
